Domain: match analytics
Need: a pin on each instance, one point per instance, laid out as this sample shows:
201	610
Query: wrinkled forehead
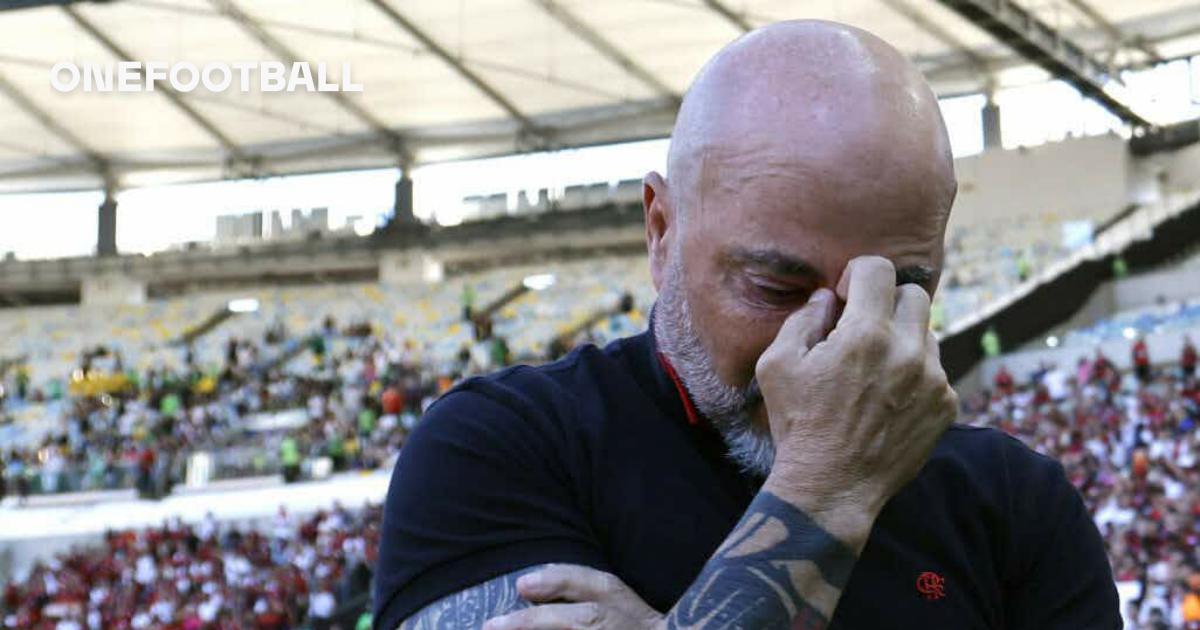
847	195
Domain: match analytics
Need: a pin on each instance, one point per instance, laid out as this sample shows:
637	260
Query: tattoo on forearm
777	570
471	607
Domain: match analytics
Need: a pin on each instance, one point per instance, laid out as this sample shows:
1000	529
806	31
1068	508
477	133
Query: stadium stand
1130	447
308	380
104	410
198	437
329	377
311	572
1157	319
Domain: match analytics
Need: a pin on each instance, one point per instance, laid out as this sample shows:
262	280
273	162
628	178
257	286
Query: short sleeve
1065	580
481	488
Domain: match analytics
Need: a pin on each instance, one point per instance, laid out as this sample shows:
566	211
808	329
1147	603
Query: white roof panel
570	86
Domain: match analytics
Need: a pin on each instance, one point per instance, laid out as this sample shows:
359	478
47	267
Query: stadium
248	244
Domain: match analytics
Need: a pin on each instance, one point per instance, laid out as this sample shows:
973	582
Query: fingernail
821	296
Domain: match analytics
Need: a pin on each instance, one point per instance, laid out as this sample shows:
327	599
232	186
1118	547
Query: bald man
777	450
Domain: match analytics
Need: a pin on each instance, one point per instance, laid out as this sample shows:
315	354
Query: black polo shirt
598	460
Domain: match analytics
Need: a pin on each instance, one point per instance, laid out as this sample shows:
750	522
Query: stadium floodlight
1130	332
1052	341
538	281
243	305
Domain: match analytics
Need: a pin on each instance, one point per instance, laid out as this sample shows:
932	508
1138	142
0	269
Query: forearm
779	568
471	607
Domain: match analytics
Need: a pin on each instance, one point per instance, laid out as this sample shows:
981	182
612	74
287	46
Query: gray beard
729	409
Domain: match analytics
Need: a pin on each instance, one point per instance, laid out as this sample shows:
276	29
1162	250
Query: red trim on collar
693	416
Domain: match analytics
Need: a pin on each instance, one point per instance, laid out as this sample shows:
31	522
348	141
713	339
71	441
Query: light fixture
243	305
538	281
1052	341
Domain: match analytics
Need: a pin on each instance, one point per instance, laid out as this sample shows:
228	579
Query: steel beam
1046	47
528	127
12	5
734	18
581	86
605	47
389	136
26	104
236	153
948	39
1119	37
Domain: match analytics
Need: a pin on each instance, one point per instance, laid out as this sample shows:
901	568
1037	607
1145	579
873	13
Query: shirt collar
689	408
668	387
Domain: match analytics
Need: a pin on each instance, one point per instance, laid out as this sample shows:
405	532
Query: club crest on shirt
931	586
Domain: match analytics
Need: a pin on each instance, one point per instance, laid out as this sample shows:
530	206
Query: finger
806	327
868	287
566	581
550	617
934	346
910	325
912	311
933	352
933	366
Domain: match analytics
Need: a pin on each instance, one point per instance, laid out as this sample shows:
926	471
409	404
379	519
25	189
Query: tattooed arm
777	569
471	607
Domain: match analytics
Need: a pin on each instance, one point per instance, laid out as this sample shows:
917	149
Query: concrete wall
1180	169
410	267
1164	348
1177	284
1153	177
1086	178
112	289
1173	285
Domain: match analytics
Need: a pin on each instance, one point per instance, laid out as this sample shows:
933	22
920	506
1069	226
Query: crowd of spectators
359	394
314	572
1129	442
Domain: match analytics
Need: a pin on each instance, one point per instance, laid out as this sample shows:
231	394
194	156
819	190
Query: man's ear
660	218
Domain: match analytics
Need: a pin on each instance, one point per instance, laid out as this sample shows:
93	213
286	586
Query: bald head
812	96
798	148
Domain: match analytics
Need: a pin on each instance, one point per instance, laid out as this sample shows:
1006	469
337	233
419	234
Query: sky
156	218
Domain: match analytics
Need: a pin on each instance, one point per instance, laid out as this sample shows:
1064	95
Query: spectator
321	607
145	472
990	342
392	401
1004	380
1120	268
289	458
170	577
1132	448
468	301
1024	267
1141	360
1187	359
1191	603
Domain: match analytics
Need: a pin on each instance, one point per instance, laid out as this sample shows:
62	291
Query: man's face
752	249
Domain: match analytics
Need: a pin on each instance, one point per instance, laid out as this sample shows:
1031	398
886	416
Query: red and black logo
931	586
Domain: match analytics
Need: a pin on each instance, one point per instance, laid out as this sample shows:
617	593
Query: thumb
806	327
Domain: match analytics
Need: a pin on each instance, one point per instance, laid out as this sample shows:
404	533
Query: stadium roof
455	79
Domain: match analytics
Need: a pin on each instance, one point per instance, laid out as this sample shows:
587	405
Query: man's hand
570	597
855	414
